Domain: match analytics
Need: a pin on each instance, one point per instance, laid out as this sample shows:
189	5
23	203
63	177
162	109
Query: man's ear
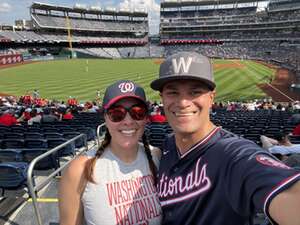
213	94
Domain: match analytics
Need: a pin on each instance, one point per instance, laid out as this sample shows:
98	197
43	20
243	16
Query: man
282	148
209	176
281	144
7	118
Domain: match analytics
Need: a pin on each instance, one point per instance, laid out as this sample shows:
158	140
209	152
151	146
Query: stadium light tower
69	35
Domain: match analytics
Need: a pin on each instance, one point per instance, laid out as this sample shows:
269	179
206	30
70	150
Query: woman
115	184
68	115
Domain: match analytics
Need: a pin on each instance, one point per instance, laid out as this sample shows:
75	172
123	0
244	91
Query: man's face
187	104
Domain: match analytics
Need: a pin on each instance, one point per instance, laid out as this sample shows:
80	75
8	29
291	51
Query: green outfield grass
81	78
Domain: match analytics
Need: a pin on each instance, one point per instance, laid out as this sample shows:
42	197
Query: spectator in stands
35	117
282	148
35	94
48	116
120	173
27	99
296	130
280	144
7	118
208	175
68	115
98	94
157	117
72	101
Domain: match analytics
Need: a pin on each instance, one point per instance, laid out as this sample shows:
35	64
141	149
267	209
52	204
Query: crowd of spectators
31	109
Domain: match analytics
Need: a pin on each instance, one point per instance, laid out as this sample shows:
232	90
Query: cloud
151	6
5	7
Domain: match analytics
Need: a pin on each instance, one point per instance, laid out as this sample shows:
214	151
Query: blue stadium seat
13	135
4	129
90	133
10	155
13	175
50	130
35	143
79	142
49	162
65	151
33	135
52	135
34	130
12	143
19	129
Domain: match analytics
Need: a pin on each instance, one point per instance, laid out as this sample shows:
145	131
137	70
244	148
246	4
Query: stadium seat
79	142
52	135
33	135
13	175
67	129
34	129
156	138
65	151
4	129
49	162
90	133
13	135
17	129
12	143
10	155
36	143
50	130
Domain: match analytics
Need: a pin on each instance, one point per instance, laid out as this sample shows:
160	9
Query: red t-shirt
296	130
158	118
8	120
27	116
68	116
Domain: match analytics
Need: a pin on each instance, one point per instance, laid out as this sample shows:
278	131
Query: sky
11	10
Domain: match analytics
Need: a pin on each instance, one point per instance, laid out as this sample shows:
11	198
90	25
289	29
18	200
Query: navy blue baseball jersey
223	179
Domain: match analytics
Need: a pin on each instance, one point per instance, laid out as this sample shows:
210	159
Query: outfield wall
10	59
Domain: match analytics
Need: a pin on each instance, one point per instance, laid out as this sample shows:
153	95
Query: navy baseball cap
185	65
122	89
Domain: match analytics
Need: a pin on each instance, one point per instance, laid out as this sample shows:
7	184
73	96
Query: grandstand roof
47	7
174	3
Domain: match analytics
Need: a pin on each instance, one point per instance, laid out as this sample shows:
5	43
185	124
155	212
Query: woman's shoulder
77	166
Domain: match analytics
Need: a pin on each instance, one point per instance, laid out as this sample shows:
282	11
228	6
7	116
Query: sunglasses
118	113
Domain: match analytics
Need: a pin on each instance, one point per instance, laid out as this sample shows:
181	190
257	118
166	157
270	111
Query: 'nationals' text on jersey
223	179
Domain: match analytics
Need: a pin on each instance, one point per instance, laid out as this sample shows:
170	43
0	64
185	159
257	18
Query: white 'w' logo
183	65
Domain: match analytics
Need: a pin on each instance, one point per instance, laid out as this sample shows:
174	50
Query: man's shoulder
235	145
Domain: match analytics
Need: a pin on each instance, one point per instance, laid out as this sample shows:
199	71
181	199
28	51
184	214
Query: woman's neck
126	154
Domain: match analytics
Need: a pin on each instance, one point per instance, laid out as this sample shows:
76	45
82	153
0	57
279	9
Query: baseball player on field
207	175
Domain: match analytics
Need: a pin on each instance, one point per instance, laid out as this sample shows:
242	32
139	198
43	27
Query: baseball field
81	78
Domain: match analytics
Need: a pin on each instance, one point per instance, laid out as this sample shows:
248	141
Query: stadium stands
232	30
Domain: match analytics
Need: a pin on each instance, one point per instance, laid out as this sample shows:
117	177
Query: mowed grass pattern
81	78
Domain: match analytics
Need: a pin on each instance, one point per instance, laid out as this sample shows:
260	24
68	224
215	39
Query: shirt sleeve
253	177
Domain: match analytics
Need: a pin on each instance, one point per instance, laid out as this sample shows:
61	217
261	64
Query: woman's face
127	131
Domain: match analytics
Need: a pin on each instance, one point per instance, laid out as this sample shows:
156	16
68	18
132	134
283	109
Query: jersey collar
200	143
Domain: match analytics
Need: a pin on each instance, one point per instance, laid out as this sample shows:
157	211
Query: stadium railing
35	188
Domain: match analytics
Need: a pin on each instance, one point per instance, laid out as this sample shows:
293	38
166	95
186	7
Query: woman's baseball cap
185	65
122	89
